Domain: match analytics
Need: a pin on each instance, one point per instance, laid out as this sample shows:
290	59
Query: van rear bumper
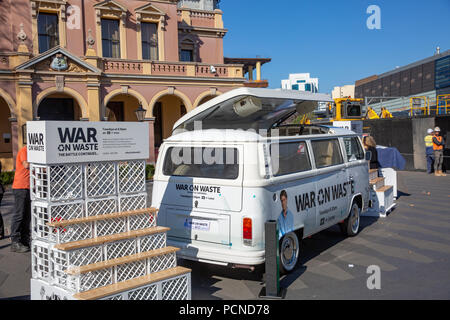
220	256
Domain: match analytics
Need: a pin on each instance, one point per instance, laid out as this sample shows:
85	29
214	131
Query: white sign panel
55	142
355	126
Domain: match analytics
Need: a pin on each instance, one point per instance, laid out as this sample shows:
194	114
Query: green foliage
7	177
149	171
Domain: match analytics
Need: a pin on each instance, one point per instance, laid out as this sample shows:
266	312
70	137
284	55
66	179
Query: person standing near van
438	147
20	224
429	150
370	145
285	219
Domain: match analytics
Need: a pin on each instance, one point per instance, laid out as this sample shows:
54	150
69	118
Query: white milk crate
110	226
43	212
41	290
95	207
89	280
62	260
130	270
101	179
131	176
142	221
41	267
75	232
121	248
162	262
100	228
94	279
177	288
56	182
152	242
133	202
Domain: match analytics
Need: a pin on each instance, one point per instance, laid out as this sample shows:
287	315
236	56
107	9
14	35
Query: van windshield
242	112
201	162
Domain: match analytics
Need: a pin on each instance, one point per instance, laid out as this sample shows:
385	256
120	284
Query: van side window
327	152
353	149
290	157
199	162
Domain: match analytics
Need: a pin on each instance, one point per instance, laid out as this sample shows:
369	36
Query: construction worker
371	114
429	150
385	113
438	148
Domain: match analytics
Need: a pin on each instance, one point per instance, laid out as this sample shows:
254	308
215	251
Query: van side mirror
368	155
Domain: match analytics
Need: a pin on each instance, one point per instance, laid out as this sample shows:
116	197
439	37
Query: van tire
289	252
350	226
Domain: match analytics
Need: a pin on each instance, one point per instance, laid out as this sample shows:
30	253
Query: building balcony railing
200	18
256	83
175	69
122	66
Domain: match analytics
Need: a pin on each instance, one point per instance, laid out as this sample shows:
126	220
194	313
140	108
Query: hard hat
430	131
437	129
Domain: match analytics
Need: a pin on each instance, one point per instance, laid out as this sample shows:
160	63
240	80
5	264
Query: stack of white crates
95	238
382	196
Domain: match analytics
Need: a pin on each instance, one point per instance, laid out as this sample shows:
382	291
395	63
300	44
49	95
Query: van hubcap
289	252
355	219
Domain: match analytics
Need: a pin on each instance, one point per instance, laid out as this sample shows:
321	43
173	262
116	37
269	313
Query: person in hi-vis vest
429	150
438	148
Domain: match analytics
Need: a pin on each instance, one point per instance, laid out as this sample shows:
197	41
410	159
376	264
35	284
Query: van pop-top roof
250	108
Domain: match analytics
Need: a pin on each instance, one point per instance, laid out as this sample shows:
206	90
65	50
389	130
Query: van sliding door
332	187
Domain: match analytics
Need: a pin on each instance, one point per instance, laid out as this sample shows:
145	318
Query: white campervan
231	165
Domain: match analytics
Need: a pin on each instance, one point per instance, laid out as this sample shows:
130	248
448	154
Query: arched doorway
6	147
121	107
59	106
166	111
206	99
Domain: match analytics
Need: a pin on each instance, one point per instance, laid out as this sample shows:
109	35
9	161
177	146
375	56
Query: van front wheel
350	226
289	252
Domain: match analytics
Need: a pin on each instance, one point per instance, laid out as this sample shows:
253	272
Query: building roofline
400	69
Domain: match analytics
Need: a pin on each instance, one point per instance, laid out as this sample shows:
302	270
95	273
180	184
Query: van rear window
202	162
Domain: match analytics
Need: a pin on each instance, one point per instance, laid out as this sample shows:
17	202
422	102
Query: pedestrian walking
438	148
429	153
20	224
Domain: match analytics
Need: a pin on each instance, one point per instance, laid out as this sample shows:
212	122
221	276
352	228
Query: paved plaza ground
411	246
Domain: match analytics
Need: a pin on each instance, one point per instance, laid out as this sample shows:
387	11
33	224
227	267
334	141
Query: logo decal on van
308	200
197	188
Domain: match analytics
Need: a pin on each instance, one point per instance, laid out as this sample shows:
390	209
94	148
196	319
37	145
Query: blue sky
330	39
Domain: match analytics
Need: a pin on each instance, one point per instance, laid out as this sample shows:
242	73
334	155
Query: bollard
272	289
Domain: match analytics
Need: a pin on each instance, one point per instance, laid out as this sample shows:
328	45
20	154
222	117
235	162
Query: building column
14	140
151	138
94	105
258	71
24	105
250	73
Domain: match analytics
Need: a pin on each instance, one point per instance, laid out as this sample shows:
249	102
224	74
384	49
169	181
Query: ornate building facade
93	60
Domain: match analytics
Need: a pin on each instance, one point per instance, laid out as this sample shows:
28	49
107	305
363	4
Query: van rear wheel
350	226
289	252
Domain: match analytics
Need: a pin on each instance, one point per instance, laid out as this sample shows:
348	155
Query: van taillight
247	231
